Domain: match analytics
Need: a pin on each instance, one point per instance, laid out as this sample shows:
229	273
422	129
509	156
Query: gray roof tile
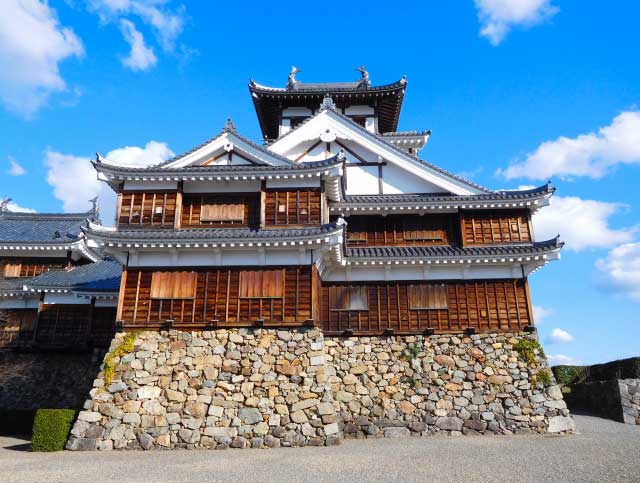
100	276
41	227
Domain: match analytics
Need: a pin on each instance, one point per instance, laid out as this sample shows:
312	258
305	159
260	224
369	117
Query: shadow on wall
34	380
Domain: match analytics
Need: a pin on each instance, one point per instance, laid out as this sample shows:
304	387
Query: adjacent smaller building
55	292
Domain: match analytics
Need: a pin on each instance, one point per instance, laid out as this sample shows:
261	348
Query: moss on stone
526	349
109	361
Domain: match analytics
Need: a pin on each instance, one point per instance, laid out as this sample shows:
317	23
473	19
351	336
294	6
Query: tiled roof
41	227
100	276
214	233
405	133
446	197
13	284
451	251
328	87
234	168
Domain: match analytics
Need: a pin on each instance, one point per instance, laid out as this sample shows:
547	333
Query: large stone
450	423
89	416
175	395
149	392
445	360
145	440
81	444
250	415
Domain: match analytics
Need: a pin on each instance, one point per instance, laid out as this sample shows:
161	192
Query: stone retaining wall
616	399
255	388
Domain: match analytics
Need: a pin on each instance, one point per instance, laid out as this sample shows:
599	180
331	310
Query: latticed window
12	269
256	284
225	212
173	285
348	298
423	297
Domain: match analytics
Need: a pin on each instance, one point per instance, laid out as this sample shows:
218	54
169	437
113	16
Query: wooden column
92	306
123	284
324	209
178	217
529	307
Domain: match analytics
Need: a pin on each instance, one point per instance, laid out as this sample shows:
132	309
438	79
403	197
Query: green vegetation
568	374
124	348
526	350
543	376
411	352
51	428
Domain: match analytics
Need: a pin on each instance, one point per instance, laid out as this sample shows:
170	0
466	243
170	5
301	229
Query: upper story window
147	208
15	269
222	212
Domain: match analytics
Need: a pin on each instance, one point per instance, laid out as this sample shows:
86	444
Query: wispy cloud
559	336
15	169
561	359
620	271
75	191
498	17
591	155
140	56
581	223
540	313
32	46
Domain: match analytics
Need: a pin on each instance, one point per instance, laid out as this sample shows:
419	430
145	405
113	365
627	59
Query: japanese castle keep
324	283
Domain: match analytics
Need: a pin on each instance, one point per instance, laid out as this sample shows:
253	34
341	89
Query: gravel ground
603	451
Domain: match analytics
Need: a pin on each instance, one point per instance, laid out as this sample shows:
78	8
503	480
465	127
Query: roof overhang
269	102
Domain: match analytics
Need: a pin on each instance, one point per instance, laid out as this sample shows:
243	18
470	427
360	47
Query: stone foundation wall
254	388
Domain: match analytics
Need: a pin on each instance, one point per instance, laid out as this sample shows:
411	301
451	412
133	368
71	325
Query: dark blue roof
41	227
100	277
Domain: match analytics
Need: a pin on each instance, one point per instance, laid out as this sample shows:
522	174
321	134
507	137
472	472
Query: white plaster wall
420	272
150	185
296	111
362	180
359	110
65	299
299	183
221	186
397	180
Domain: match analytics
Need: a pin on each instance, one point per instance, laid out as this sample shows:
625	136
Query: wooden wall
29	267
75	326
147	209
217	300
487	227
192	206
376	230
16	326
292	207
484	305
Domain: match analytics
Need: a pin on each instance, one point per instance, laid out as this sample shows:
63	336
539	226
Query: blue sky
498	81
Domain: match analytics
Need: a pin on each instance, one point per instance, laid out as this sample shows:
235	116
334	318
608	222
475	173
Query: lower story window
173	285
423	297
348	298
258	284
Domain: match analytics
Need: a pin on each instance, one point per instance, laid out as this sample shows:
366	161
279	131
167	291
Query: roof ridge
17	215
328	87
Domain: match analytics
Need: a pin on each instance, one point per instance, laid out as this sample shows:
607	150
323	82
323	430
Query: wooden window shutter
427	297
348	298
12	269
222	212
173	285
261	284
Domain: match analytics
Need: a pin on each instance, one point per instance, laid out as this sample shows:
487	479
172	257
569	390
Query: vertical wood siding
218	300
31	267
486	227
147	209
75	326
292	207
484	305
396	230
192	209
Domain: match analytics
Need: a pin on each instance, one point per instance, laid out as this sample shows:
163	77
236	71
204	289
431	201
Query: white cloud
540	313
592	155
497	17
620	270
140	57
14	168
167	23
559	336
581	223
16	208
561	359
77	189
32	45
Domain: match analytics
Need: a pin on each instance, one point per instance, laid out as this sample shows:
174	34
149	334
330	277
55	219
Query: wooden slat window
425	297
226	212
147	208
348	298
12	269
173	285
261	284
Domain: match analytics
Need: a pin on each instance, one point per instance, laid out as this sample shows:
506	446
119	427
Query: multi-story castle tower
334	222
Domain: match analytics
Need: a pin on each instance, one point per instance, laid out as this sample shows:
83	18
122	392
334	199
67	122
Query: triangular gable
302	144
228	147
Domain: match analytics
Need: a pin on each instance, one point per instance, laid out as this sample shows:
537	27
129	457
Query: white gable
401	174
225	149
